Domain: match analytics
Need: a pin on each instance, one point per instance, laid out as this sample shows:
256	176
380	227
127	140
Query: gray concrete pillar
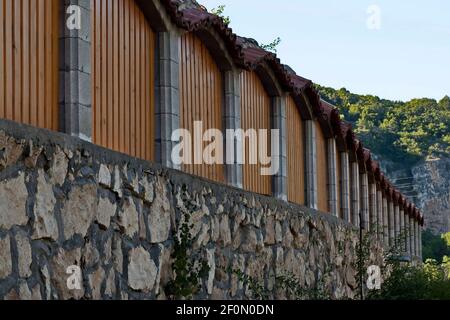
420	242
380	222
232	121
355	193
397	223
75	94
416	238
373	213
402	230
345	187
311	164
411	237
332	177
279	180
391	224
167	114
386	230
407	236
364	183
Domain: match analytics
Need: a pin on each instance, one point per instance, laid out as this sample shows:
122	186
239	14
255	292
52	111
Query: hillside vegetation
400	132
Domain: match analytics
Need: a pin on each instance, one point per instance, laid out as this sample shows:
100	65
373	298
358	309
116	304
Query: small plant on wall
188	268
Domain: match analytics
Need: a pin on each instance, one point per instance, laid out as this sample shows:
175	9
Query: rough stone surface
129	218
121	230
60	263
79	210
104	176
159	217
142	270
5	258
95	283
13	199
105	211
59	168
45	224
24	255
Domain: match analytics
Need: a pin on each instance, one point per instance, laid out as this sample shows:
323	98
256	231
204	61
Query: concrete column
345	187
420	242
411	237
397	223
407	235
75	93
167	115
355	194
311	164
380	222
373	207
402	229
364	183
386	231
391	224
416	237
332	177
232	121
279	180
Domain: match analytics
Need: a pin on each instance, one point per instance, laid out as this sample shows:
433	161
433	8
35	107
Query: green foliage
272	46
405	281
403	132
188	271
286	283
435	247
429	281
219	11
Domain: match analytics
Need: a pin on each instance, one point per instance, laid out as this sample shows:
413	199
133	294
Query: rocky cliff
428	186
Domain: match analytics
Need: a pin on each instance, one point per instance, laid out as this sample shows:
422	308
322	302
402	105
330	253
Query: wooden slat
26	62
115	73
255	114
295	153
200	98
322	177
29	62
33	65
123	78
41	61
9	91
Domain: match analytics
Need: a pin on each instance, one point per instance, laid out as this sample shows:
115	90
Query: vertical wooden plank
137	126
115	73
142	89
17	57
48	65
33	64
9	61
322	169
26	61
110	76
41	64
122	80
295	147
132	82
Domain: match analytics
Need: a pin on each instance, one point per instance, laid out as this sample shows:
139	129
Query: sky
396	50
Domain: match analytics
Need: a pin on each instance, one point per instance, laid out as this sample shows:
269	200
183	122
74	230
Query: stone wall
66	202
